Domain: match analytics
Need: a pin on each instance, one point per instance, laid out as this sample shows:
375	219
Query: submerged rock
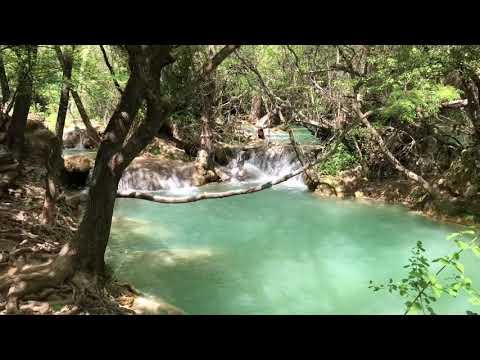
153	306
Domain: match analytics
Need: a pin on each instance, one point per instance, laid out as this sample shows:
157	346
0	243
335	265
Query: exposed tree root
30	279
35	289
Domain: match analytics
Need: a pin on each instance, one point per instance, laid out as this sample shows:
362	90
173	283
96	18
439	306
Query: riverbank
352	186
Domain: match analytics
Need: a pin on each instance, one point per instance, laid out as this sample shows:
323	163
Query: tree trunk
92	237
92	133
205	161
473	106
3	84
67	62
114	156
91	240
54	165
54	161
16	136
256	112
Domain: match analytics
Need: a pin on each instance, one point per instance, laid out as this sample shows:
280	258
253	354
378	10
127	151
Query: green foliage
427	100
341	159
422	287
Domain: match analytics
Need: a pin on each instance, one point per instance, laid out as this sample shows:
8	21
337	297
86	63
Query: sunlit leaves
422	287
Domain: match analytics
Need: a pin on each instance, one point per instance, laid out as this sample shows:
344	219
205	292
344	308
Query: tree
54	163
15	140
125	137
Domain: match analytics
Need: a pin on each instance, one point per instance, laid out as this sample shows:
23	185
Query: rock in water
150	306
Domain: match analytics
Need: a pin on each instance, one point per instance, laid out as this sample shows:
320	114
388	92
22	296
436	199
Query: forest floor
25	241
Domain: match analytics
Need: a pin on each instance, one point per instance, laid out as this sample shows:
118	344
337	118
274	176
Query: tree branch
216	60
92	133
110	68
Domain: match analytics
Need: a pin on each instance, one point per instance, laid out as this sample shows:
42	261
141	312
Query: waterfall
263	165
251	166
79	145
152	176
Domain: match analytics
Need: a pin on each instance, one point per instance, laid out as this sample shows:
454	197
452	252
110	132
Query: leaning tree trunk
54	163
431	189
116	153
91	132
93	234
16	131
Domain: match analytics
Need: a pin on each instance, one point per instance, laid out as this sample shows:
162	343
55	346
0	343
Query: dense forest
84	127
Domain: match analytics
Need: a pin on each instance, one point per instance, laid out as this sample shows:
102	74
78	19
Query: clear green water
280	251
301	135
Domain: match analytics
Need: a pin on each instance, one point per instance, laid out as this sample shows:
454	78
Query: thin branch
428	284
110	68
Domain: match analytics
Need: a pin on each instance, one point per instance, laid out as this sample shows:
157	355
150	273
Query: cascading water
150	180
253	166
263	165
79	145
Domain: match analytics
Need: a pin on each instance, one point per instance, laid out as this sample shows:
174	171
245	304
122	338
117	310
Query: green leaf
453	236
413	308
443	261
460	267
475	300
476	250
437	292
453	292
462	244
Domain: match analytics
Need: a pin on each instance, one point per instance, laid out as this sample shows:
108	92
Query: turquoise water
301	136
280	251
